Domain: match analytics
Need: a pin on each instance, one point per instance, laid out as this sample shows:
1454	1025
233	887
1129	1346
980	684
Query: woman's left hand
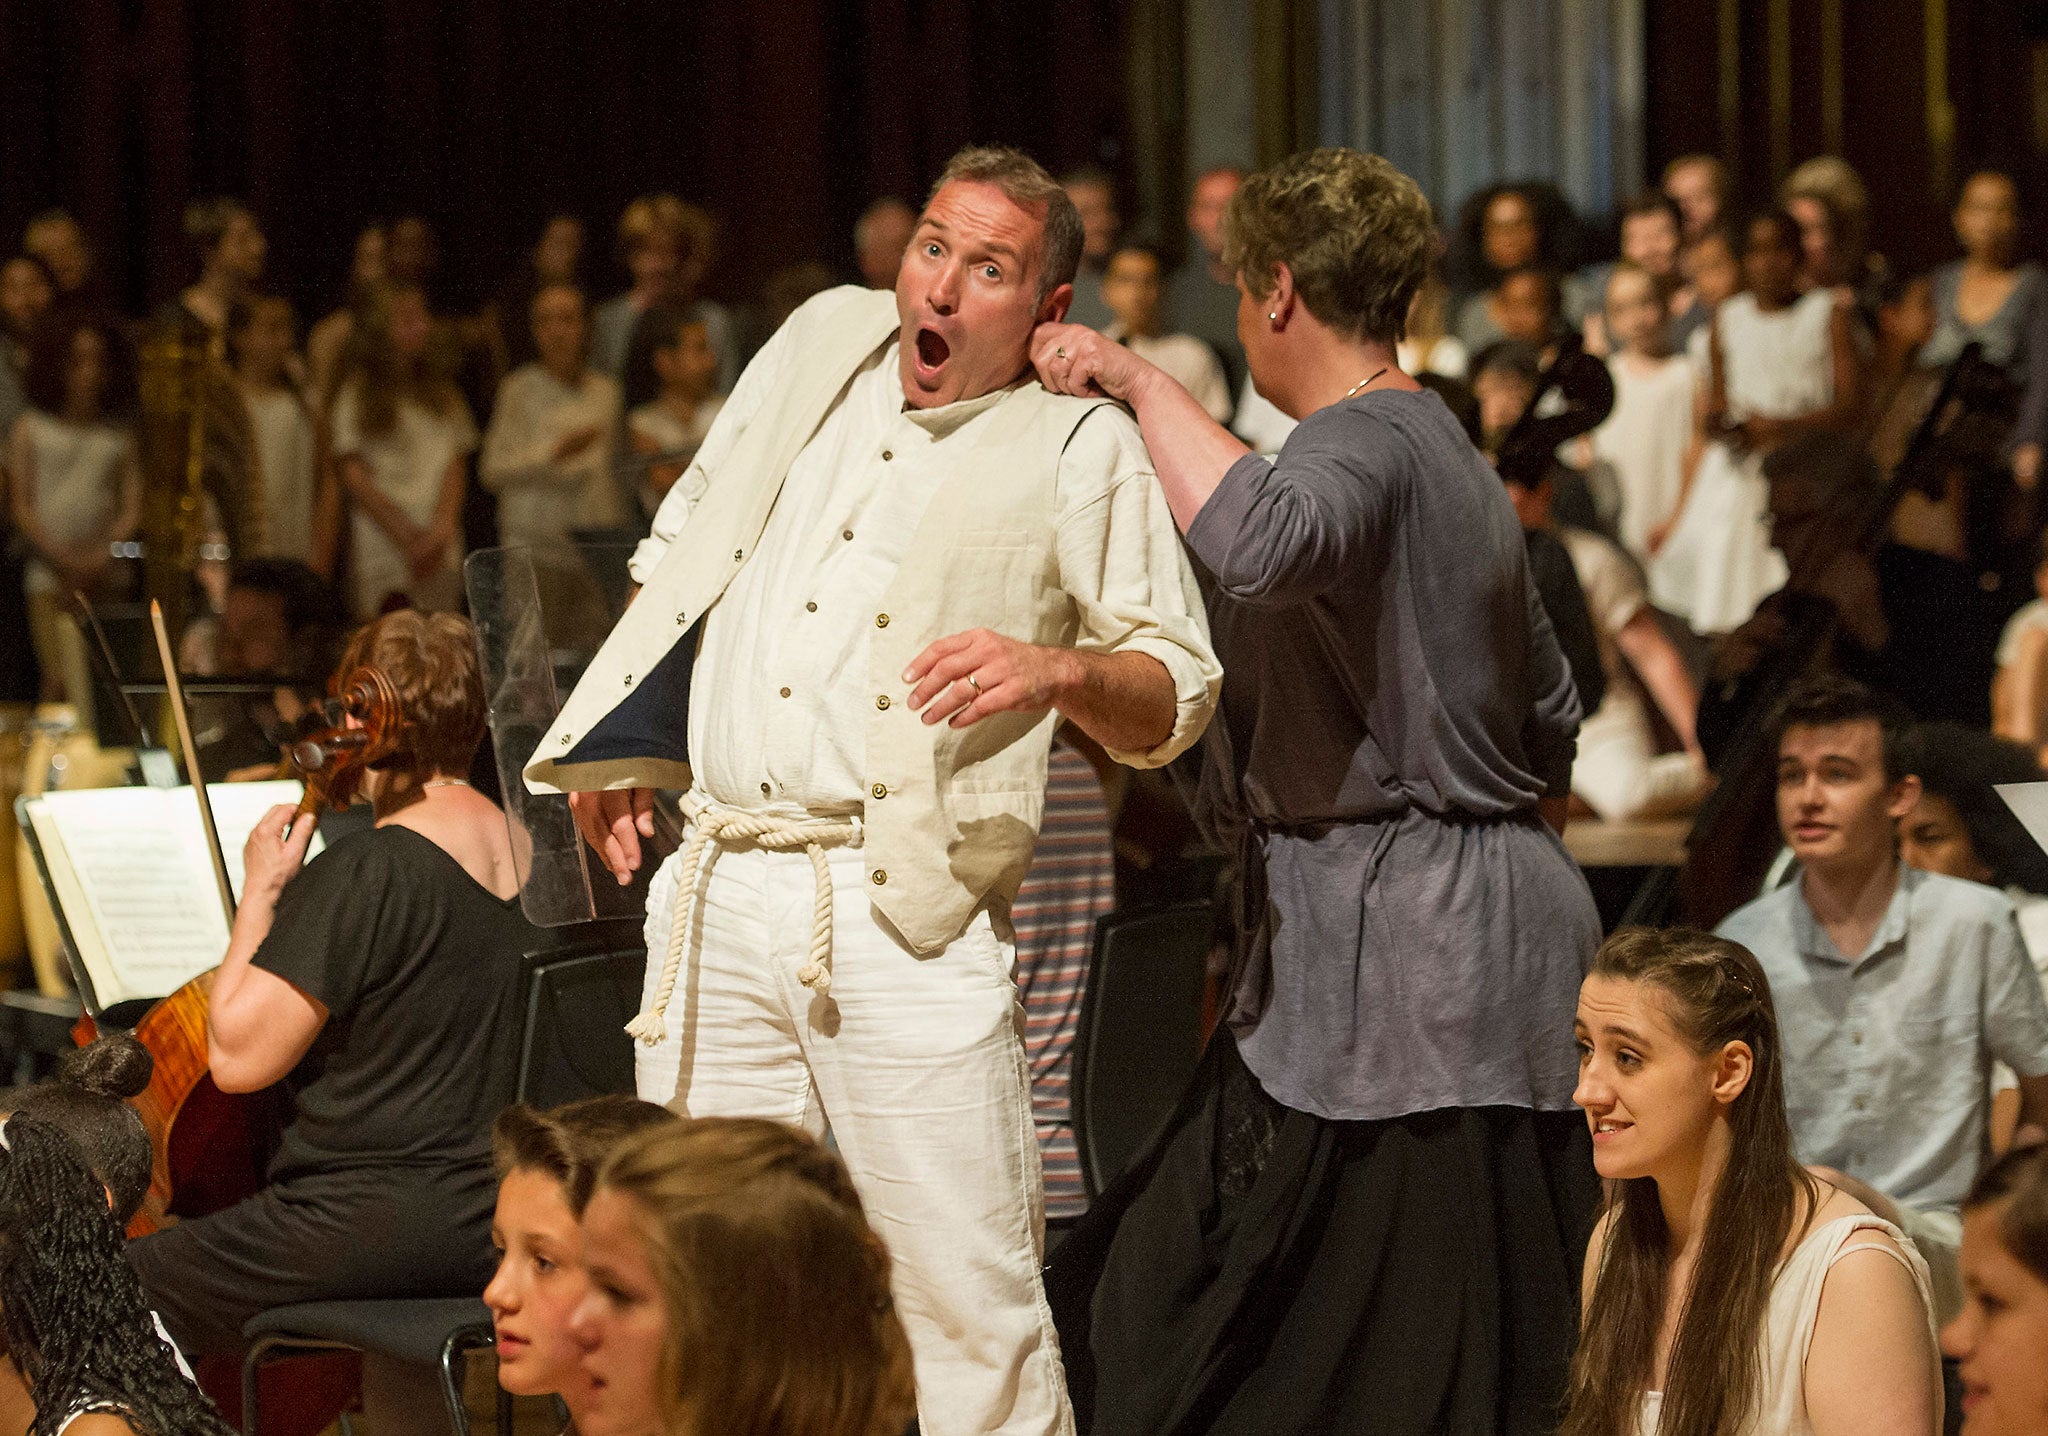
1074	359
275	852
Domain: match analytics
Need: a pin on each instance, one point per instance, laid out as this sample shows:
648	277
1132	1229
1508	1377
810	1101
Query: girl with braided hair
1727	1289
73	1314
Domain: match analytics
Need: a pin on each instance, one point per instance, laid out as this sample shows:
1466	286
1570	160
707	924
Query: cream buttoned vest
951	814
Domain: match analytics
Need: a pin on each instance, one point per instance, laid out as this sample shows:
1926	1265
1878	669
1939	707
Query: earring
1274	316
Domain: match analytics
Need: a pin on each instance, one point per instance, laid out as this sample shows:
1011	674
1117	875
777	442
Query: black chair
579	999
573	1043
1141	1032
425	1332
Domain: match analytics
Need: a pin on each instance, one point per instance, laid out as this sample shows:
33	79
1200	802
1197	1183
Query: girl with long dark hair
72	1312
1727	1289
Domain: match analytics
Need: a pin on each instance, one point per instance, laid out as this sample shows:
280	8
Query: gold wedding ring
972	684
1059	353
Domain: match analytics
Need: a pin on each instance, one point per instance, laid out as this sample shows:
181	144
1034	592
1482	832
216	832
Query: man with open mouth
894	564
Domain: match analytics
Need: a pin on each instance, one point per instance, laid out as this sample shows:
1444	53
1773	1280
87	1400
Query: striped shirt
1072	882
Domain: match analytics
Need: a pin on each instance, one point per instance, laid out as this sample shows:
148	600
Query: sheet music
137	863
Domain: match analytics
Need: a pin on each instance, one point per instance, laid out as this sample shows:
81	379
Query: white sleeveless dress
1719	563
1788	1321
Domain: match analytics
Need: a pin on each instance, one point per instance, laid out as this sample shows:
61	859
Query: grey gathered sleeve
1280	534
1550	736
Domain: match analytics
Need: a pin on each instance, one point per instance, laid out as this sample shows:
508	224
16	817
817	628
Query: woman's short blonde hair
1355	232
780	1318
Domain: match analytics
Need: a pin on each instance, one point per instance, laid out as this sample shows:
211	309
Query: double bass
207	1152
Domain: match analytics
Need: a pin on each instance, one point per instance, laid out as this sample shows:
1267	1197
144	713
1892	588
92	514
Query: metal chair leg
451	1382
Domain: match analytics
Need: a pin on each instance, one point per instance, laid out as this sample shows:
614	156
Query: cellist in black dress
378	984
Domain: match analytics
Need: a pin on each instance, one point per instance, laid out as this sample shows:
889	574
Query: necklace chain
1363	382
444	783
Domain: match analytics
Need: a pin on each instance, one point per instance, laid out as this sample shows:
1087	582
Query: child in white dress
664	432
548	452
287	468
1650	439
1780	364
402	435
76	488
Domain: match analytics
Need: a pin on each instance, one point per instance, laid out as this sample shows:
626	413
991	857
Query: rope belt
732	828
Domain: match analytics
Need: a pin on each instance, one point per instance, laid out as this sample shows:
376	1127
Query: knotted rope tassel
717	825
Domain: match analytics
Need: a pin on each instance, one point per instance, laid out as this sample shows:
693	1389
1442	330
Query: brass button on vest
880	877
764	790
785	693
810	607
881	620
846	534
882	702
880	790
886	456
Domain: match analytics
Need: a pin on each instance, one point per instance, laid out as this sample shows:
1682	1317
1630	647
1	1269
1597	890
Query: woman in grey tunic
1369	1212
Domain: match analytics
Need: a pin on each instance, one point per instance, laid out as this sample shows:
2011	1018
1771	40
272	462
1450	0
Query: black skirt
1267	1272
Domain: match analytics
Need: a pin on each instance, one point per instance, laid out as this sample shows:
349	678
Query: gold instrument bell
201	488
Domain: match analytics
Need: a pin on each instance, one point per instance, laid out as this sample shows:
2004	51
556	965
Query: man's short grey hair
1025	182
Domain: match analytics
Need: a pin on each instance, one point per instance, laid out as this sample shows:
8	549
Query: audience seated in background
672	357
1201	297
547	1164
556	258
228	245
301	515
735	1286
668	245
2019	691
328	342
26	294
1503	387
401	435
1427	348
1712	267
1829	615
1619	772
1652	236
880	236
75	484
1649	440
1093	191
277	620
1895	988
1828	199
1130	290
2000	1338
1726	1289
1508	228
77	1329
548	452
1698	185
1962	828
1781	365
59	241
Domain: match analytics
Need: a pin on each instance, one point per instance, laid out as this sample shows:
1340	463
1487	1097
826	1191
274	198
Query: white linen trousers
918	1067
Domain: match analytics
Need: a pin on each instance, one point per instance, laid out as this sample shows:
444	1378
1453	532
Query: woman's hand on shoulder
1074	359
275	851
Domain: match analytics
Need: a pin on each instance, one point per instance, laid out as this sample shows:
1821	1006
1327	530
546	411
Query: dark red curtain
488	115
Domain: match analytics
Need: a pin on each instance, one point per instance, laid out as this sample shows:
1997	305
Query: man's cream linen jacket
951	814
